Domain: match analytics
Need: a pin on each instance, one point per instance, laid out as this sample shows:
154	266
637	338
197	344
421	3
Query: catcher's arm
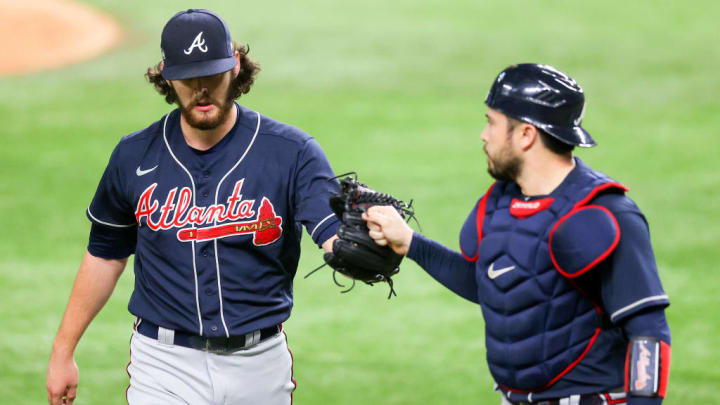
446	266
388	228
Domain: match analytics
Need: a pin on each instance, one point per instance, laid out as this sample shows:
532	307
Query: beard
207	120
505	166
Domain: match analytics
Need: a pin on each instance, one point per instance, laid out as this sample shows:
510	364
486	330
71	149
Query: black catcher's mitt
355	254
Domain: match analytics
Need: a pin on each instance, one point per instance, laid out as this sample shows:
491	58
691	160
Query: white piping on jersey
321	222
217	191
107	223
636	303
192	243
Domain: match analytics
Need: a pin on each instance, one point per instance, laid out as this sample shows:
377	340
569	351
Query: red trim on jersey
664	368
599	258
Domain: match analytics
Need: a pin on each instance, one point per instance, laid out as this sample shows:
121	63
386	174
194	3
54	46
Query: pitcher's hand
62	379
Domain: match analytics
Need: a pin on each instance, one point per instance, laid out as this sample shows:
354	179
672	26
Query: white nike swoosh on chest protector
492	273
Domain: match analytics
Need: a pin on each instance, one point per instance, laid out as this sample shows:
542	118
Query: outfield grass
393	90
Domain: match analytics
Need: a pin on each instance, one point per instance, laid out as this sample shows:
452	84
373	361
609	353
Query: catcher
354	253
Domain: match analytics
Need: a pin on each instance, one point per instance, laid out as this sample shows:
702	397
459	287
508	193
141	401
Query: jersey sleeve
313	190
113	234
630	281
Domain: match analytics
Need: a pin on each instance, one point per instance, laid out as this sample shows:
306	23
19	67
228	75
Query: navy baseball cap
196	43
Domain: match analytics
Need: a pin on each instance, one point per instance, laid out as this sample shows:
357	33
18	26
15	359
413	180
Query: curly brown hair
241	85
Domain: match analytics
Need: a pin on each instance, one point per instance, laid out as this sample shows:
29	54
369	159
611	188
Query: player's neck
205	139
542	176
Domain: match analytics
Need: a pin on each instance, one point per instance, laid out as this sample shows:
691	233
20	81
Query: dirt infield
45	34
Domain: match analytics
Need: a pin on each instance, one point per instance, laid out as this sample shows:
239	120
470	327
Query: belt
218	345
602	398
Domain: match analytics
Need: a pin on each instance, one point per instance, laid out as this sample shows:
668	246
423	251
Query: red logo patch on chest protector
524	209
178	213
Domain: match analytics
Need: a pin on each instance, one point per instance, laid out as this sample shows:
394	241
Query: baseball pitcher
211	199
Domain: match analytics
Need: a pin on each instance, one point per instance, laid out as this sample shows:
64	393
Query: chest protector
538	323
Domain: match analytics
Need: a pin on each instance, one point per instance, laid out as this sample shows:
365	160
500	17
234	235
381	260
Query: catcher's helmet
543	96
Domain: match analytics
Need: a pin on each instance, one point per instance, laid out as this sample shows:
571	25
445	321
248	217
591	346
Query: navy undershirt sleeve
651	323
112	243
445	265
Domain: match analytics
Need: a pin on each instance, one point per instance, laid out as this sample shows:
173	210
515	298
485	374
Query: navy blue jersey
626	284
216	234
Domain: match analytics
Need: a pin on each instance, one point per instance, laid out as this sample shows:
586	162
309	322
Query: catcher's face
504	162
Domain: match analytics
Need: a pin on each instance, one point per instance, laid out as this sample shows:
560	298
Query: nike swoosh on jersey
492	273
144	172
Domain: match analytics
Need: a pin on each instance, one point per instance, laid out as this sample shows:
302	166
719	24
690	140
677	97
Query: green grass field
393	90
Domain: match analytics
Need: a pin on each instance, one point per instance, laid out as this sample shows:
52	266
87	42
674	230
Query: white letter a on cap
198	43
